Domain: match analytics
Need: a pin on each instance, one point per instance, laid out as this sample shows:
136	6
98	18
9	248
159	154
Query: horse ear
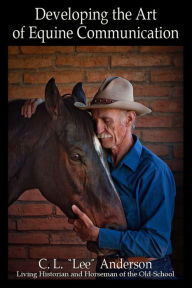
53	100
78	94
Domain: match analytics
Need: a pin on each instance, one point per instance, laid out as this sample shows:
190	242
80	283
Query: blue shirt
147	190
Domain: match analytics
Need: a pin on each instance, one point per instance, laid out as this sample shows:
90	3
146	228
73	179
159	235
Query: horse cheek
80	179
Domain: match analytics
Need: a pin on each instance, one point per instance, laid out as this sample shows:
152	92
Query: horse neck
25	139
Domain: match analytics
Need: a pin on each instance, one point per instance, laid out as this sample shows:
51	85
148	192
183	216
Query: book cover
141	43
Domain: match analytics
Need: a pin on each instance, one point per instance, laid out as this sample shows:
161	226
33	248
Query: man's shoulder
152	161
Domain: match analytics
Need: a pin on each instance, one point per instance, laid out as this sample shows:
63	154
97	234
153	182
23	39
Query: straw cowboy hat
115	92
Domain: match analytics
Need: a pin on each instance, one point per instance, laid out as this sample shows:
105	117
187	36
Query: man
145	185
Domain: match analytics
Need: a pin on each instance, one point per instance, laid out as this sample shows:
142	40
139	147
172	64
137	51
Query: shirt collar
131	159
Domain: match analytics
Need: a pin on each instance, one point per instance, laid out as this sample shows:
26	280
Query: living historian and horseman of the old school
144	183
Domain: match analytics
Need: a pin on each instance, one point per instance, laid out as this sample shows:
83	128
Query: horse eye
76	157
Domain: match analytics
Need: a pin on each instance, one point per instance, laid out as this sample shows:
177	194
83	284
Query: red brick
167	106
60	77
48	223
30	62
178	60
167	75
23	265
59	252
160	49
28	238
30	209
177	91
17	252
168	135
59	211
46	49
106	49
153	121
67	88
90	90
175	165
32	195
65	238
99	76
160	150
12	50
178	151
142	102
151	90
140	60
25	92
11	224
13	78
138	133
82	61
178	120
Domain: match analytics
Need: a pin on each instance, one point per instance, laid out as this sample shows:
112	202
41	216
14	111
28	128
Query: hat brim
139	108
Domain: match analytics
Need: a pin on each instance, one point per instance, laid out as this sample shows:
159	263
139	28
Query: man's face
111	126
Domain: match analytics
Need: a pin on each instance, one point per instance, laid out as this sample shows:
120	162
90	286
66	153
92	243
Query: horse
57	152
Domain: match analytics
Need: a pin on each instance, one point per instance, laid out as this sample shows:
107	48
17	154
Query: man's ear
131	115
53	100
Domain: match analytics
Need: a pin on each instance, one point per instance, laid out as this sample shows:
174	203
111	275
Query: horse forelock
81	119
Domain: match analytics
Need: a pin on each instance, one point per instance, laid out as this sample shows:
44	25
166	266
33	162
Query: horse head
67	163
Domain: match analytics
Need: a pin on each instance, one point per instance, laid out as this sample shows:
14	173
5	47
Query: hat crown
115	88
115	93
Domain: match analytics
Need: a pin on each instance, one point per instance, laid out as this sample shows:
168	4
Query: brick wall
38	229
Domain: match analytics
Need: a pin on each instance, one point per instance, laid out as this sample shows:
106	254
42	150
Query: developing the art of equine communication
93	24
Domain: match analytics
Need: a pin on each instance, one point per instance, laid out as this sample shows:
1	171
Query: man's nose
100	127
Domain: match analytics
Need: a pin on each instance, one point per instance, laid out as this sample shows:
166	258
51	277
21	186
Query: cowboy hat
115	92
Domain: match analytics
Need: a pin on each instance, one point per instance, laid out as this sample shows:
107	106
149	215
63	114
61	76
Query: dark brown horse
57	152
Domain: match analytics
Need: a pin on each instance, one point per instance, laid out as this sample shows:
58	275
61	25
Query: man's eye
107	121
75	157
